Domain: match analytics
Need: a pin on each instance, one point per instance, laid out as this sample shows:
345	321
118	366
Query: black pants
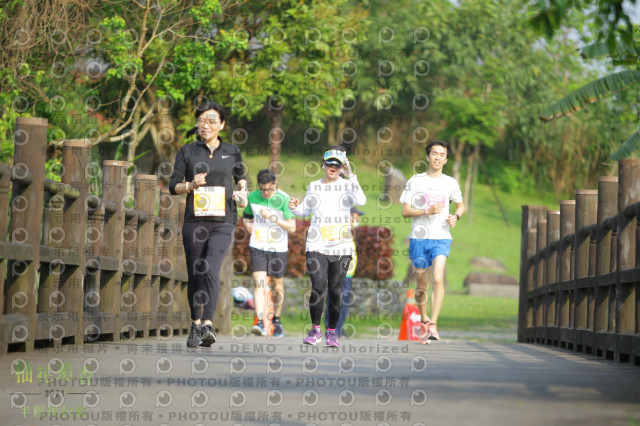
326	272
205	244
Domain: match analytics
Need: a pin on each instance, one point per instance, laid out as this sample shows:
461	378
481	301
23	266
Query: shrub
373	244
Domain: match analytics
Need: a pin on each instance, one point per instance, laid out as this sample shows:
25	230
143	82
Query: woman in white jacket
329	241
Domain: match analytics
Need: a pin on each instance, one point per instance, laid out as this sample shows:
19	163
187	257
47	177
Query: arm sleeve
456	194
407	193
248	213
360	198
304	208
179	171
286	212
238	167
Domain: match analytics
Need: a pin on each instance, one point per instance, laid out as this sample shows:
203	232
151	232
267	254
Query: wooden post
158	320
130	324
181	268
26	223
628	194
586	214
530	285
222	320
95	237
114	180
164	258
541	263
49	297
530	217
5	181
76	156
551	296
567	227
175	242
146	198
607	207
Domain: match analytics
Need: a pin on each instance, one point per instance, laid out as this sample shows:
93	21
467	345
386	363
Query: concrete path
253	380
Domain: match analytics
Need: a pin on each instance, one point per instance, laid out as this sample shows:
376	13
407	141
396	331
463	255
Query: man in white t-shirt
426	199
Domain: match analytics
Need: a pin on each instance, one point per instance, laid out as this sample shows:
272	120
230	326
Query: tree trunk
331	133
495	195
467	183
134	140
162	129
457	160
475	159
131	155
276	137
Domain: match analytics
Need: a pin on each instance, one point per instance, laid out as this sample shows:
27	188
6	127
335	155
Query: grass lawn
484	234
470	317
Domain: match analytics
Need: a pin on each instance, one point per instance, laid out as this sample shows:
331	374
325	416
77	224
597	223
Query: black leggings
205	244
326	272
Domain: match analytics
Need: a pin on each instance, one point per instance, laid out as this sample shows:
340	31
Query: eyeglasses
271	188
210	121
334	166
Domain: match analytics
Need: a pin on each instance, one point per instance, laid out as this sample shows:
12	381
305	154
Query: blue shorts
422	252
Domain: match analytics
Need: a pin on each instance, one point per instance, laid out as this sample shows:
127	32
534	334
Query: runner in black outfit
207	166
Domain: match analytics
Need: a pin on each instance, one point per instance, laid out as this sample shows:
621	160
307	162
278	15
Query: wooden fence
77	268
580	270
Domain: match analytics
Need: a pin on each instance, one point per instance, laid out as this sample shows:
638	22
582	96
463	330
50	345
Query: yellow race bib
209	201
334	234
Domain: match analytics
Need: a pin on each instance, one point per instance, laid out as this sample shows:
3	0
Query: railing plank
588	299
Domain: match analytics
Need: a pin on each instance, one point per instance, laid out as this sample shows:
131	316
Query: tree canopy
127	75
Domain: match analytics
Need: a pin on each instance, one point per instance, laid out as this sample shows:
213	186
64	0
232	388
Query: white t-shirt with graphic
422	191
330	203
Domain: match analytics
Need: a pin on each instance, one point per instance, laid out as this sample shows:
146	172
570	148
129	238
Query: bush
373	244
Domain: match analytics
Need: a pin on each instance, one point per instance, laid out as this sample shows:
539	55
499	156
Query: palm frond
590	93
621	51
628	147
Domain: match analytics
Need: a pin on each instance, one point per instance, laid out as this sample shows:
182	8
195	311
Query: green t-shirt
266	234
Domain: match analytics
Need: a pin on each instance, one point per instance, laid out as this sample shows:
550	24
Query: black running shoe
194	335
208	338
278	328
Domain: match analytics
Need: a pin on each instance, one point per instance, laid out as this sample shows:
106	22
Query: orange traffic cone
410	319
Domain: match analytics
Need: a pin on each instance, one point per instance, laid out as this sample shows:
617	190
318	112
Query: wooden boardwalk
253	380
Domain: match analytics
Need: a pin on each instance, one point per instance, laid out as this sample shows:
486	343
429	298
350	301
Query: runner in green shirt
269	220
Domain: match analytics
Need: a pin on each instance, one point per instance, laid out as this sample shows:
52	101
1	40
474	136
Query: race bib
209	201
266	235
334	234
431	199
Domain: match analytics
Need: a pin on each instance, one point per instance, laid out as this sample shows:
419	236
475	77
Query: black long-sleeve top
225	163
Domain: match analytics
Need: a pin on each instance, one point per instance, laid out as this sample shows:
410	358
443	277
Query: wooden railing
580	270
82	268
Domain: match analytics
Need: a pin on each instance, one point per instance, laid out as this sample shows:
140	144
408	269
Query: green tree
292	66
36	64
615	38
156	54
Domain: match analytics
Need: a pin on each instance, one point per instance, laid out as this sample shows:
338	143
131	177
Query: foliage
609	17
591	93
472	101
292	64
622	46
381	78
